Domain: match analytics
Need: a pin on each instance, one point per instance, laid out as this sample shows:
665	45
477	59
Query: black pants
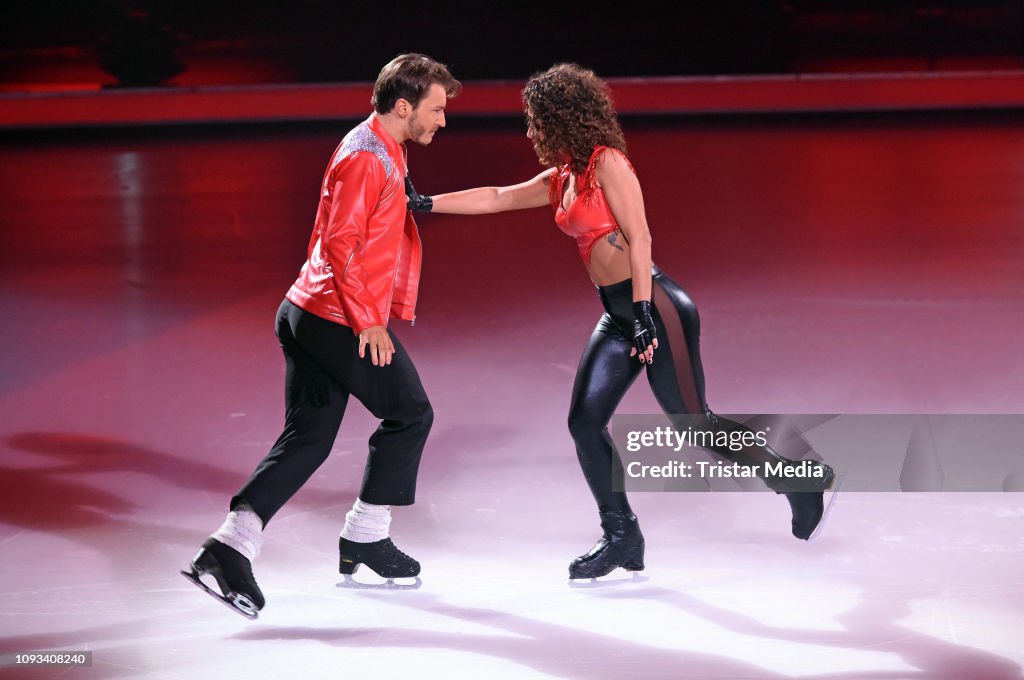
676	376
322	368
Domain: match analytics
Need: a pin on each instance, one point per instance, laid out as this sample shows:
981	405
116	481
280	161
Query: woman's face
535	135
531	126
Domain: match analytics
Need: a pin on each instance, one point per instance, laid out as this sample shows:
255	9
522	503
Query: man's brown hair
408	77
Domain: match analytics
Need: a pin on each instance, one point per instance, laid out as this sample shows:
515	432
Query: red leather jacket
363	262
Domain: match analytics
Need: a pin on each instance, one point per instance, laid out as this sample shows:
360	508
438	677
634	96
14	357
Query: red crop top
588	218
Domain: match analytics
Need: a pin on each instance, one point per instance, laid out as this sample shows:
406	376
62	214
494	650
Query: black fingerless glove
643	326
417	202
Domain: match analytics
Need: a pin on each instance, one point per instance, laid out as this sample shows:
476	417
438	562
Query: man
362	269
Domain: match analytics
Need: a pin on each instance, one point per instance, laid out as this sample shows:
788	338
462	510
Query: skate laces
392	551
246	568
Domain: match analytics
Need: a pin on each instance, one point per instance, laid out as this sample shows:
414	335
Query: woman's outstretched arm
482	200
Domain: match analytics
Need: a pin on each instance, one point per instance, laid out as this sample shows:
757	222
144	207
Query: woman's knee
585	422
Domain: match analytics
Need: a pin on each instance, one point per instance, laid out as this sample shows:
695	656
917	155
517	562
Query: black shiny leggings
676	376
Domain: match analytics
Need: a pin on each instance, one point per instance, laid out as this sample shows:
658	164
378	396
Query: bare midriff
609	260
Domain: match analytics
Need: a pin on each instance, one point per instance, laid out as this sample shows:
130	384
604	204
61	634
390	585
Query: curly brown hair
571	112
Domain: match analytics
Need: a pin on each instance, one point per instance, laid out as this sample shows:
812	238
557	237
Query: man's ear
403	108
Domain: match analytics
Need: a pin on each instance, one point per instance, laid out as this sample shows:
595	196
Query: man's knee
422	415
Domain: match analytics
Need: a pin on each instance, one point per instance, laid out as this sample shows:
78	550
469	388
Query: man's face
428	116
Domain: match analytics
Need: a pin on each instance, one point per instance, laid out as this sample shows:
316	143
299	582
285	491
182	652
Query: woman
596	196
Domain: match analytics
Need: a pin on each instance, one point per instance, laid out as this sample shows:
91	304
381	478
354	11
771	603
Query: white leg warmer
243	531
366	523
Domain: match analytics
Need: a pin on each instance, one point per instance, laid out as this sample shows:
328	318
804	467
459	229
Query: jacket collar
393	147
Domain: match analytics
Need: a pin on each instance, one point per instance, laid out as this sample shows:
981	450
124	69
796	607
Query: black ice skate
386	560
233	573
621	545
808	507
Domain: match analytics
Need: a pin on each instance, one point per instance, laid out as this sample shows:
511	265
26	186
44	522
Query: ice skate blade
837	484
388	584
584	583
240	604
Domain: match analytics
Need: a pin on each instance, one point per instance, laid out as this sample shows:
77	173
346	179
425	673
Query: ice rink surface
841	266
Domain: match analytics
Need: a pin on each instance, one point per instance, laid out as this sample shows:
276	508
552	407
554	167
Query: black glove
644	333
417	202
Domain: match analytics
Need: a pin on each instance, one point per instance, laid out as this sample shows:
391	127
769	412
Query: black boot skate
808	506
803	482
381	556
233	573
621	545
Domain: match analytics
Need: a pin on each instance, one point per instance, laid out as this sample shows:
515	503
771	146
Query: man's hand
381	347
417	202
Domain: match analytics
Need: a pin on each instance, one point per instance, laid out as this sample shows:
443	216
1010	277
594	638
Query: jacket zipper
405	162
349	261
394	280
418	279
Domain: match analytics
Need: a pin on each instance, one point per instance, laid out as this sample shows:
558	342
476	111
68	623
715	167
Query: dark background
67	44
